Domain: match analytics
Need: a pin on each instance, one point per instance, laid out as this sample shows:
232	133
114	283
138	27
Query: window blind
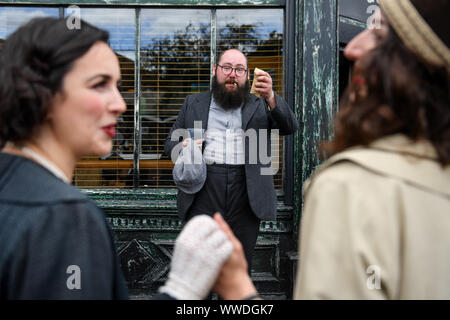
175	61
114	170
258	33
13	17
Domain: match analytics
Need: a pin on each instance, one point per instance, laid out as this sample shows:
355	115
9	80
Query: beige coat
376	225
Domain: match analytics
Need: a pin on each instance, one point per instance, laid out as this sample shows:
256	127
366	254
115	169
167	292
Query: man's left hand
263	86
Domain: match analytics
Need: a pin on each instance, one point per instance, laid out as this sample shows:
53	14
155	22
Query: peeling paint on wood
298	100
317	96
320	78
161	204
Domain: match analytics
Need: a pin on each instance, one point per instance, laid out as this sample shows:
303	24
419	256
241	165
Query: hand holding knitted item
199	253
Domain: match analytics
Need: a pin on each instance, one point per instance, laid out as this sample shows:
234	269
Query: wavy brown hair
33	63
394	91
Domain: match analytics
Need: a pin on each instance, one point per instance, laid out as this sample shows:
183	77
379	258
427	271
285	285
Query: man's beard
229	99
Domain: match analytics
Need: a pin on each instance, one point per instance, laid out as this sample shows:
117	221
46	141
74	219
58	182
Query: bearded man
236	184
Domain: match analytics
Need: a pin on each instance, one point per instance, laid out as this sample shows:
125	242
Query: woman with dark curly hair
376	219
59	102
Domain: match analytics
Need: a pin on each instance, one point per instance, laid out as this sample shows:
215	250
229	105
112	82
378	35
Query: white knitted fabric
199	252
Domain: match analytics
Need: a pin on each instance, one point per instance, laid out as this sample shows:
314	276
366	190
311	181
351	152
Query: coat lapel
201	110
248	110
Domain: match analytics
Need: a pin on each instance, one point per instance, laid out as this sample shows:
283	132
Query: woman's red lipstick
110	130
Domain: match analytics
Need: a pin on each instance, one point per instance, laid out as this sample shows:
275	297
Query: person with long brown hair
376	219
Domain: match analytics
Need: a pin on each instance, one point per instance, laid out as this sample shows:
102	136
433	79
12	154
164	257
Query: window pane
259	34
175	62
115	169
13	17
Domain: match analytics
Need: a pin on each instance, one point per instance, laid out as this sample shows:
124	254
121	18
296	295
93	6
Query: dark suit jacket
255	115
46	226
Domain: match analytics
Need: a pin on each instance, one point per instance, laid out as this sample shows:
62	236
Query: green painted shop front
145	221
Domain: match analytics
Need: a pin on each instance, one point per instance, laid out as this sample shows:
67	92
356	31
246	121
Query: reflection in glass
259	34
175	58
13	17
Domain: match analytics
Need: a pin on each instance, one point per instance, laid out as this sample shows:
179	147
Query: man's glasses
239	71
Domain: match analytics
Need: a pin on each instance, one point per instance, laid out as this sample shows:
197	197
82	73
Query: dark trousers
225	191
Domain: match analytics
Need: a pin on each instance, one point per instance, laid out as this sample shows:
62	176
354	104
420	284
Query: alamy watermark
374	280
258	146
373	10
74	280
73	21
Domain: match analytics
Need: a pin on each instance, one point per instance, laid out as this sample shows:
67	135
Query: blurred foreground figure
376	221
60	102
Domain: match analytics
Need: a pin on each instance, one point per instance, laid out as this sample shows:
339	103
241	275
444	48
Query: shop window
259	34
171	47
116	168
175	62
